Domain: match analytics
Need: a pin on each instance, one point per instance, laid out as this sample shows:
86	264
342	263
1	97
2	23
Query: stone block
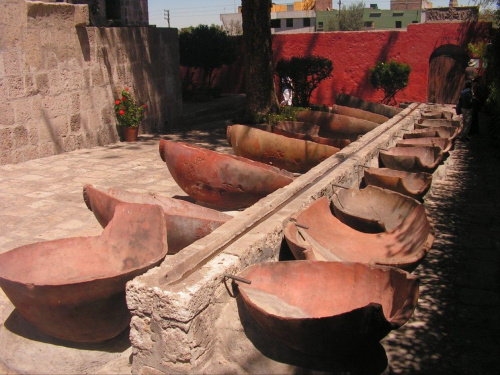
11	62
7	114
81	16
6	142
75	122
20	136
42	83
15	86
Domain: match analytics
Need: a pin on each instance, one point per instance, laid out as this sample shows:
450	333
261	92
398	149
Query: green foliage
286	114
306	73
206	47
128	112
390	77
351	18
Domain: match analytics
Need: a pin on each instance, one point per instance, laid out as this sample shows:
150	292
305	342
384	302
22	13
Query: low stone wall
59	79
176	305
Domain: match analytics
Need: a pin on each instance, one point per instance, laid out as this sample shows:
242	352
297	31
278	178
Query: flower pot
130	133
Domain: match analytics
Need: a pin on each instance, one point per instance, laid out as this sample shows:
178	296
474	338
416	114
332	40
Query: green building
373	18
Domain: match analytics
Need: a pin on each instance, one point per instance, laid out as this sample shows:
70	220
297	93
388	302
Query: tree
391	77
259	72
193	51
306	73
351	18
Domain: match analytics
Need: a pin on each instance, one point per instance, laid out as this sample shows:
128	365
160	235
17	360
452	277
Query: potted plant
129	115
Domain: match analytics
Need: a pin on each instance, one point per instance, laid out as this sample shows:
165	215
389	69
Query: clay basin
358	113
448	132
422	122
443	143
411	159
333	125
316	234
308	132
372	209
321	307
414	185
186	222
294	155
74	288
220	180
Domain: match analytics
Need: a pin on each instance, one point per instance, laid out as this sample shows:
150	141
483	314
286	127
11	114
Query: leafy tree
306	73
390	77
206	47
351	18
348	18
259	73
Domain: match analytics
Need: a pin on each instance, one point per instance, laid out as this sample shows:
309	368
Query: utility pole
166	16
340	2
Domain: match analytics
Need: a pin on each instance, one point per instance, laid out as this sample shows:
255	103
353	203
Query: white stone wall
59	78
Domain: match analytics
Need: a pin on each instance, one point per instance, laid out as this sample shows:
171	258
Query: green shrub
306	73
390	77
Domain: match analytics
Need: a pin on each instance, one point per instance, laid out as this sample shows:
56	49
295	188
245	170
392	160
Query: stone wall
59	79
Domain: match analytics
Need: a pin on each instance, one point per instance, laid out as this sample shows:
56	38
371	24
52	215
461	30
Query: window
307	22
369	24
275	23
320	26
289	22
375	14
398	24
398	14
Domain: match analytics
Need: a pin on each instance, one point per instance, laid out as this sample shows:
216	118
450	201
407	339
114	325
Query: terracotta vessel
324	307
354	102
448	132
337	126
437	114
220	180
443	143
414	185
308	132
294	155
316	234
372	209
130	133
422	123
186	222
411	159
74	288
358	113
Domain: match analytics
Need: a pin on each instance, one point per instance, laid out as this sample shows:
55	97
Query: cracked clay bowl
74	288
321	307
220	180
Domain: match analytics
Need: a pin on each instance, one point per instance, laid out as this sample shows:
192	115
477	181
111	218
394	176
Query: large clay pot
337	126
74	288
186	222
323	307
291	154
316	234
358	113
414	185
220	180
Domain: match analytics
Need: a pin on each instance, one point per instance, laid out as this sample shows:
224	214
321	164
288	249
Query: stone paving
455	328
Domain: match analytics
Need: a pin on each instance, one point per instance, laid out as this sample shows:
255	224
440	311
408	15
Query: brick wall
59	79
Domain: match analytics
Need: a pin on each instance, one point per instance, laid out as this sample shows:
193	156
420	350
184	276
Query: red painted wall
353	53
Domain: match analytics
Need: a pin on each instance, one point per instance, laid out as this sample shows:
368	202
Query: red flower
122	112
123	99
144	106
127	89
117	102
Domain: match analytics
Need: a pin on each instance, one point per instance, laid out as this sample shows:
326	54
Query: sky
194	12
